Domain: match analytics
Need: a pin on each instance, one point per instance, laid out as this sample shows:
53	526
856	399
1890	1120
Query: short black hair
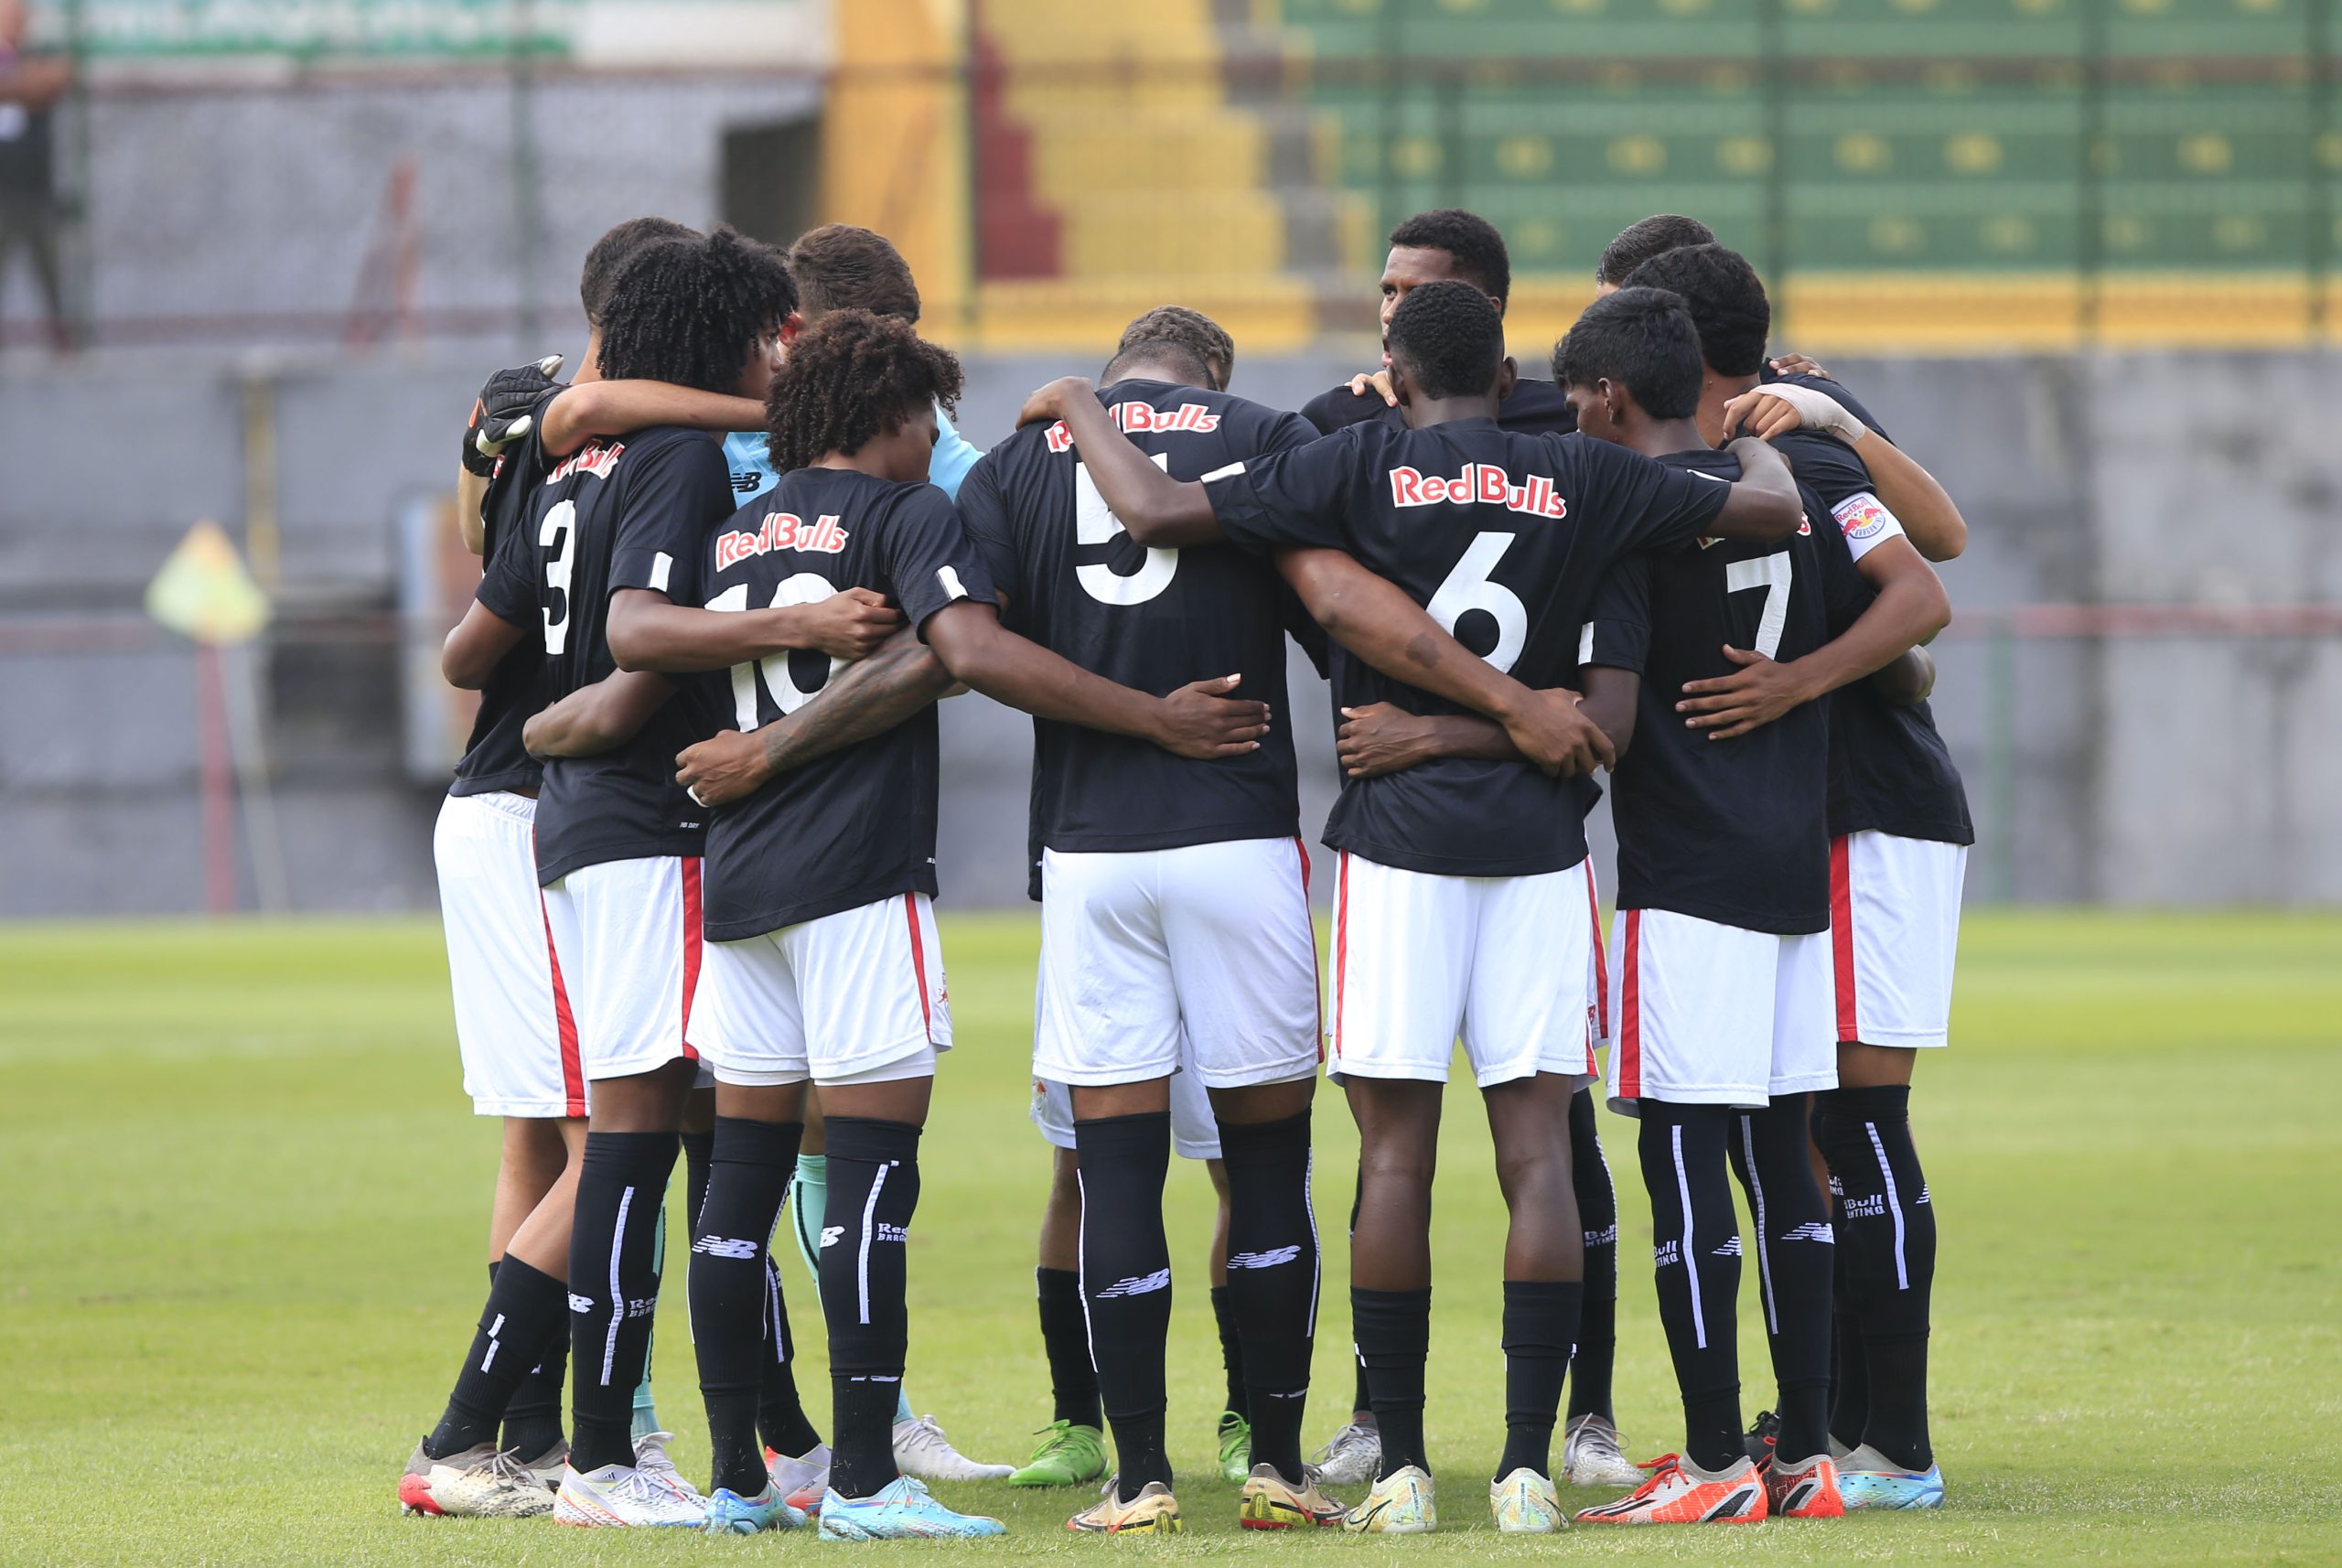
1469	239
689	311
841	267
1639	339
612	251
850	377
1175	327
1726	299
1448	338
1640	241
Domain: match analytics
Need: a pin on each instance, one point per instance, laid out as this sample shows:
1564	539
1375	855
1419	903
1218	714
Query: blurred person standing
31	84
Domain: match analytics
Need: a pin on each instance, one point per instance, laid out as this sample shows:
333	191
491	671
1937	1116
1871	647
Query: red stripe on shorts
918	966
692	936
1342	941
1601	960
1842	937
572	1069
1316	977
1629	1061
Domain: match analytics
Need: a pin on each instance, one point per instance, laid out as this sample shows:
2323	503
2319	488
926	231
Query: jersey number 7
1771	573
801	588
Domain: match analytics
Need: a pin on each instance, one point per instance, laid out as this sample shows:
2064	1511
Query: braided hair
689	311
850	377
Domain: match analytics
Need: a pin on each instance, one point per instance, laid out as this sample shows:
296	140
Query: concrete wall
2176	770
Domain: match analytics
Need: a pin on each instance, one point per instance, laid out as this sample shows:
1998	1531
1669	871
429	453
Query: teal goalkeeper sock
645	1414
808	1203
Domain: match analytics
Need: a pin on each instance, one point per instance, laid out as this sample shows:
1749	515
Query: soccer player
1461	905
1176	939
824	963
1720	947
1900	832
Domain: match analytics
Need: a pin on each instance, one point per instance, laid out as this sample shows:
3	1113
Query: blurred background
256	257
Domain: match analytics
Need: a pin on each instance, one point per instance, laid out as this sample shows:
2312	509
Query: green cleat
1235	1446
1069	1455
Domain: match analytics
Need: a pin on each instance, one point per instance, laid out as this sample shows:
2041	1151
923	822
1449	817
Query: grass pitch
243	1249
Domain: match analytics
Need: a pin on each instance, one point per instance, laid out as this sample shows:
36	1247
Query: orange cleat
1680	1492
1805	1492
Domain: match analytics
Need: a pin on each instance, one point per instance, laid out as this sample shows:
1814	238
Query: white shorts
1195	1130
1201	958
1713	1014
628	935
1895	919
514	1026
853	997
1421	959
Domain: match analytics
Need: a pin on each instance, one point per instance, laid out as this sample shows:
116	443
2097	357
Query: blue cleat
903	1509
730	1513
1869	1479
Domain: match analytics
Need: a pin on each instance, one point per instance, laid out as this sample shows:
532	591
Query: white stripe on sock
869	1228
1894	1204
1757	1200
618	1296
1309	1203
1691	1263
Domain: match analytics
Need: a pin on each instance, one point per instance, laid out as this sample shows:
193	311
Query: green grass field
243	1244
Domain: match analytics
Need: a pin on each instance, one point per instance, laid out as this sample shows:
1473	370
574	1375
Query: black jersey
493	756
1737	831
1149	620
1535	408
857	825
1888	768
629	513
1503	538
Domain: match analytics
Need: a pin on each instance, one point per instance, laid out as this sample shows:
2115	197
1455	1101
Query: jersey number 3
1094	523
801	588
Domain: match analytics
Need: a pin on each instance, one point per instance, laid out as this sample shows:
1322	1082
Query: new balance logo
1138	1285
1268	1260
1730	1248
1812	1231
1923	1192
830	1234
580	1303
724	1247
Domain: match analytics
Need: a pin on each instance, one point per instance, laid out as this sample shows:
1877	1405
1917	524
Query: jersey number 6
802	588
1469	586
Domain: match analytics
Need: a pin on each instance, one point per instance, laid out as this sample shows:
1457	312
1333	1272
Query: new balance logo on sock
1812	1231
1268	1260
1666	1254
580	1303
1138	1285
1923	1192
1730	1248
724	1247
830	1234
1870	1208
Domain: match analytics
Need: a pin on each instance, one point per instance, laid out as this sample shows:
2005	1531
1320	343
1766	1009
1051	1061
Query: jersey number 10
800	588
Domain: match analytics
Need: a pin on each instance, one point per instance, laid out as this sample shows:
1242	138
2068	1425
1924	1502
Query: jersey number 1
802	588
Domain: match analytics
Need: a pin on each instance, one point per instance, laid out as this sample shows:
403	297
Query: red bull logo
1141	418
779	531
1480	483
592	458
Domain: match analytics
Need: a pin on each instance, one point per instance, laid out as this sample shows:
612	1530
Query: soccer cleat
1681	1493
1351	1456
922	1452
650	1458
478	1483
1593	1455
1525	1503
1400	1504
1269	1501
625	1496
1804	1491
903	1509
1069	1454
1235	1435
1763	1432
729	1513
1869	1479
548	1465
1155	1511
800	1481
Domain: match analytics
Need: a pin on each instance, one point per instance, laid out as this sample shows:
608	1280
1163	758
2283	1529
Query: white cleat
1594	1455
1350	1457
479	1483
622	1497
800	1480
650	1458
923	1453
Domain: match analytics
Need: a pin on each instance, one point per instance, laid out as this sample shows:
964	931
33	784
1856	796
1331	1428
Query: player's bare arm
1154	509
1375	619
1382	737
1200	720
1909	680
1931	518
596	718
476	645
1911	607
866	698
1611	698
1762	505
614	408
649	631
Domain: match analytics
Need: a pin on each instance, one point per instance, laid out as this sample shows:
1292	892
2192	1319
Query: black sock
1540	1319
1849	1370
1127	1282
781	1408
731	1324
1888	1229
520	1326
532	1416
1394	1330
1360	1398
1795	1259
1065	1339
1231	1352
699	1157
1597	1212
1695	1253
613	1288
1272	1277
874	1191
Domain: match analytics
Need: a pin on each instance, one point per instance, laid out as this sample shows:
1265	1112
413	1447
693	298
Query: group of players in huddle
693	839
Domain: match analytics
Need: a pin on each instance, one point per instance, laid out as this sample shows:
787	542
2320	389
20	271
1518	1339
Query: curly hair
1448	338
1472	243
1190	332
1647	237
1726	299
689	311
613	250
850	377
841	267
1641	339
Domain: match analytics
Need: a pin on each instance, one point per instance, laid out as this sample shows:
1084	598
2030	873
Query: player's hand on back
1380	738
1200	720
504	412
1768	411
1048	405
850	625
1554	733
1375	382
1799	365
1754	695
725	768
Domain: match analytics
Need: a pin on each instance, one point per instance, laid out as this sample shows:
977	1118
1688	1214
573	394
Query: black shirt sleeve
1340	408
508	588
1642	504
927	557
1617	635
1299	497
983	514
682	488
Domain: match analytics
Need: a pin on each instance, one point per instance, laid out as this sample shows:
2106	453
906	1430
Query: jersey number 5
802	588
1094	523
1771	573
1470	587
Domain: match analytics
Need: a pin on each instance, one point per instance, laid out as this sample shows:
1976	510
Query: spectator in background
31	86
